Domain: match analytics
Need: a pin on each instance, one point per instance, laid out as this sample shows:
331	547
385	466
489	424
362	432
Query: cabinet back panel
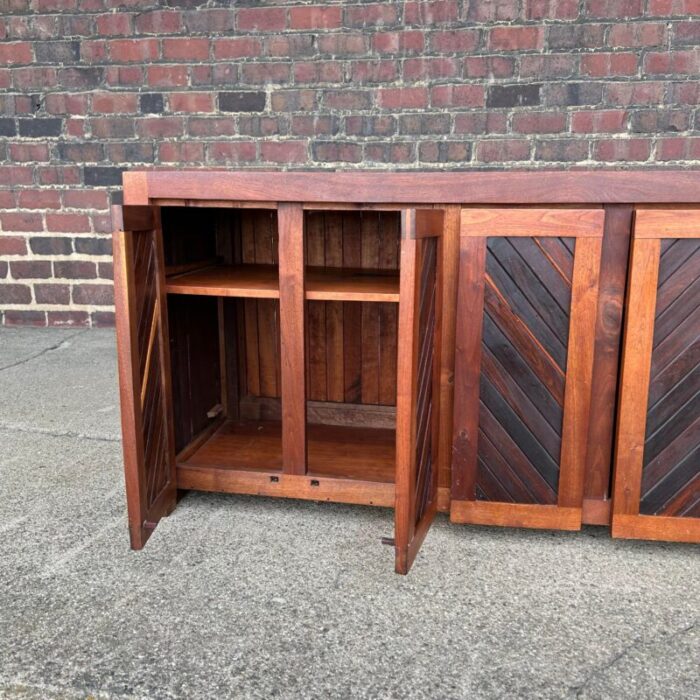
195	363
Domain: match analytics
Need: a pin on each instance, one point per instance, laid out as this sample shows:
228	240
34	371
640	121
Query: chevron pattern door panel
144	372
657	476
525	334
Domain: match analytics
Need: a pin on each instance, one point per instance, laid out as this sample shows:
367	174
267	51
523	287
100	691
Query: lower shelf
345	464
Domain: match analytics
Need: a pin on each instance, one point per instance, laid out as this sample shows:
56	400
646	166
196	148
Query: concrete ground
253	597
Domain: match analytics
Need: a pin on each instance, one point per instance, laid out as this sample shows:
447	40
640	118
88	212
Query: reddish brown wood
608	334
523	222
540	187
291	273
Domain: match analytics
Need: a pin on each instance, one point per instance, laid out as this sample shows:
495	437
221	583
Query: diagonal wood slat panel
671	463
426	366
527	299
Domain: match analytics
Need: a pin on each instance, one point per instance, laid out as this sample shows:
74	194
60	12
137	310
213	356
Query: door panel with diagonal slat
657	480
528	290
142	337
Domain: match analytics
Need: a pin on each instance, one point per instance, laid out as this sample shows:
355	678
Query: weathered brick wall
90	87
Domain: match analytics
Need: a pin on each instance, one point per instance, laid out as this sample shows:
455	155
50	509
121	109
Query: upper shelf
262	282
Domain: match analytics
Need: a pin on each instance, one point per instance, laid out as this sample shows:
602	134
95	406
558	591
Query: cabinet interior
224	324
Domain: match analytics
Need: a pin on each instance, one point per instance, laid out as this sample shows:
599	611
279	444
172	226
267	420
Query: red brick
124	75
622	149
231	152
673	8
403	98
457	96
454	40
374	15
343	44
258	73
266	19
30	269
672	62
431	12
102	319
21	221
181	152
308	125
67	318
160	127
290	45
75	269
561	150
311	72
548	66
337	151
167	76
347	99
39	199
118	24
599	121
445	152
503	150
315	17
133	50
377	71
403	43
86	199
52	294
629	35
551	9
389	152
495	10
429	68
16	52
237	47
115	102
539	122
614	9
12	245
67	223
191	102
24	318
609	64
93	294
515	38
489	66
34	77
15	294
642	93
185	49
159	22
480	123
284	151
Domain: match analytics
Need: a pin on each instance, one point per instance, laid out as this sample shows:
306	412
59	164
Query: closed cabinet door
656	491
525	335
144	370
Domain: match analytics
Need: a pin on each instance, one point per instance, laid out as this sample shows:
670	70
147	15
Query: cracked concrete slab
253	597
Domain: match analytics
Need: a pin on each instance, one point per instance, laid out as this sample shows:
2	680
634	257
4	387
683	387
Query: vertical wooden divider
470	295
292	337
450	272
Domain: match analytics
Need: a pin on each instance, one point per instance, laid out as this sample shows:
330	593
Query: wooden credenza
516	349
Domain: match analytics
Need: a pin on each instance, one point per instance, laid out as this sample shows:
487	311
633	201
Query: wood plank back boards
657	461
526	315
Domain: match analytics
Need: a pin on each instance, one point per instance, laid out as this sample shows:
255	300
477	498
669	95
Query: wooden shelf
362	454
257	281
351	285
262	282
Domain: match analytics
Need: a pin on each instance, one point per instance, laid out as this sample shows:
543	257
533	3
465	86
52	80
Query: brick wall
90	87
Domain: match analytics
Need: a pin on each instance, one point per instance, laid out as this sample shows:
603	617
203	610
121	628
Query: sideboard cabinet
419	341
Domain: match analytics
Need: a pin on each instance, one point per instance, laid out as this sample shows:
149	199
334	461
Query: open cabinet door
656	492
525	338
144	370
417	401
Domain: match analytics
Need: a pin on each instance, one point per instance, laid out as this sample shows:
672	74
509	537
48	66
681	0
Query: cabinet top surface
662	186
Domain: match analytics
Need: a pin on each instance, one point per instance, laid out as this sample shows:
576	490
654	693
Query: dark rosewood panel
527	300
671	463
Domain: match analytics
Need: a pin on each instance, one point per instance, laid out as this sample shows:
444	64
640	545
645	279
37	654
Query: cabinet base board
656	527
515	515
